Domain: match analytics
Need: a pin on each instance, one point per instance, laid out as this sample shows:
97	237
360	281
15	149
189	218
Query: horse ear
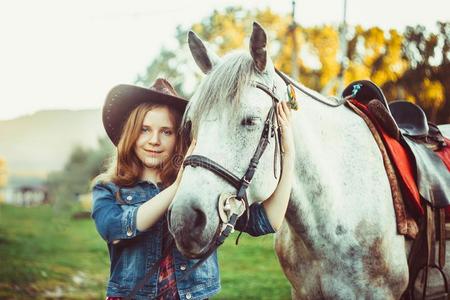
258	42
204	58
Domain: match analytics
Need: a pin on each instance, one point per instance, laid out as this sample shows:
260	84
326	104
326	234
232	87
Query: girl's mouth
153	153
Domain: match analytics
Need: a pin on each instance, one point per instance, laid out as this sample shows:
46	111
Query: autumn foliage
412	65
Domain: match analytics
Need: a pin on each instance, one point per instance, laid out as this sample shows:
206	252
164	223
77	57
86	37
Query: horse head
228	114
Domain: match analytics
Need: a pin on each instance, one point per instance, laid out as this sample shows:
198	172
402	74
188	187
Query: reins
288	81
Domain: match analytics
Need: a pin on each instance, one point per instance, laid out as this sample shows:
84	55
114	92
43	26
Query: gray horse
339	238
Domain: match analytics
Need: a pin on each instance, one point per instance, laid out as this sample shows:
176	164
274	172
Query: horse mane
221	88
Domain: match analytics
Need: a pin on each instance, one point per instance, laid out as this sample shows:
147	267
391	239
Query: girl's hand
285	123
188	152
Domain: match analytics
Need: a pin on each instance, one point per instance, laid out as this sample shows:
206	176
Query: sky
61	54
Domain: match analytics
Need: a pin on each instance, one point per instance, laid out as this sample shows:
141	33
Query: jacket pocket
131	196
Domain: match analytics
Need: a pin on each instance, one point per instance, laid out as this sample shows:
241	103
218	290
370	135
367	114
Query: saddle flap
410	118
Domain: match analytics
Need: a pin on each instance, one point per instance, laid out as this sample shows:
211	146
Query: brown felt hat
123	98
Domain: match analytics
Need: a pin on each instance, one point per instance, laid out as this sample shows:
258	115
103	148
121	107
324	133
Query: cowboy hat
123	98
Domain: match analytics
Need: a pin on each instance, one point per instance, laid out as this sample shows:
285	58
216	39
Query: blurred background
59	59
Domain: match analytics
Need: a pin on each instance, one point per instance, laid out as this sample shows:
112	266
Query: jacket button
129	232
183	267
129	198
188	296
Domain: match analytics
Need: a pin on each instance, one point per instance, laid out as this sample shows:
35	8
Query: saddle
422	139
408	124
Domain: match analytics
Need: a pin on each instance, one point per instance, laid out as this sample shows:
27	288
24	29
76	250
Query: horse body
339	238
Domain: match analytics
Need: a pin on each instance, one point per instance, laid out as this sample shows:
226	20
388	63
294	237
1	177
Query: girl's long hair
125	168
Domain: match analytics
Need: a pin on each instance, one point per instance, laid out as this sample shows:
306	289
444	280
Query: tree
413	65
75	178
224	31
426	80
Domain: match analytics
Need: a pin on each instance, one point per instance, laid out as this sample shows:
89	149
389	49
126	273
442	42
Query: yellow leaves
356	71
374	54
225	31
429	94
325	42
267	16
378	56
198	29
432	94
392	65
374	37
374	44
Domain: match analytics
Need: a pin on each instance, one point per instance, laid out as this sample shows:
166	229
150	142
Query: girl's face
156	143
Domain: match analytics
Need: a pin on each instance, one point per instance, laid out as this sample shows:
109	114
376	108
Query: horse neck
312	133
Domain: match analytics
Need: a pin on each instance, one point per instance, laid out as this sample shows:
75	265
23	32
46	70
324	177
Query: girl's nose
154	139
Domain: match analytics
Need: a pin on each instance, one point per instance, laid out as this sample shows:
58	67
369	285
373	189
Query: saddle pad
401	161
433	176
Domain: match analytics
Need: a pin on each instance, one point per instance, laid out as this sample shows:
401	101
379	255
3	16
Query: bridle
270	130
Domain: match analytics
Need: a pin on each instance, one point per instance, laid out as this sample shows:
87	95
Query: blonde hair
125	168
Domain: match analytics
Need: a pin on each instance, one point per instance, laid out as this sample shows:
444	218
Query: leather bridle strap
240	184
248	176
206	163
266	90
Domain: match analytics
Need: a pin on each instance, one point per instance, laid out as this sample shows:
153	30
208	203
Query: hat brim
123	98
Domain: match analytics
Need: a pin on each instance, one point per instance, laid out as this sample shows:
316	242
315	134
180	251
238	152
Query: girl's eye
167	132
144	129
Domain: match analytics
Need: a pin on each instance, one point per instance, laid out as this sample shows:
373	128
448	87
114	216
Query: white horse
339	238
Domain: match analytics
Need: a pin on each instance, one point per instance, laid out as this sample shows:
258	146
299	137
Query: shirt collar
158	185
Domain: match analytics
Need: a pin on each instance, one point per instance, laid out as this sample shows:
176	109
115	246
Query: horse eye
249	121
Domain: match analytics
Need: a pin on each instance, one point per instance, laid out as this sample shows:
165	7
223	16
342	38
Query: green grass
42	250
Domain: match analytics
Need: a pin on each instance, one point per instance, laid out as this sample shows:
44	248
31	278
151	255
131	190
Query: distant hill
35	144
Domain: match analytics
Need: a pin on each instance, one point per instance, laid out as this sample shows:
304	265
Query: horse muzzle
192	228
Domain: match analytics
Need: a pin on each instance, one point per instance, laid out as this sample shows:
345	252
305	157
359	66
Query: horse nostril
200	219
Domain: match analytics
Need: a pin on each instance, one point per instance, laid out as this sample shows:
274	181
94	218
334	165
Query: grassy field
46	254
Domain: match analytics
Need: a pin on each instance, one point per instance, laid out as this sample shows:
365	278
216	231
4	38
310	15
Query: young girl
132	197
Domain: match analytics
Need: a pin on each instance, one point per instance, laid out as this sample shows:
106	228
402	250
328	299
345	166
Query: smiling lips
153	152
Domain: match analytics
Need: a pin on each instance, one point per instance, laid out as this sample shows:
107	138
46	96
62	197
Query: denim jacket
137	251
